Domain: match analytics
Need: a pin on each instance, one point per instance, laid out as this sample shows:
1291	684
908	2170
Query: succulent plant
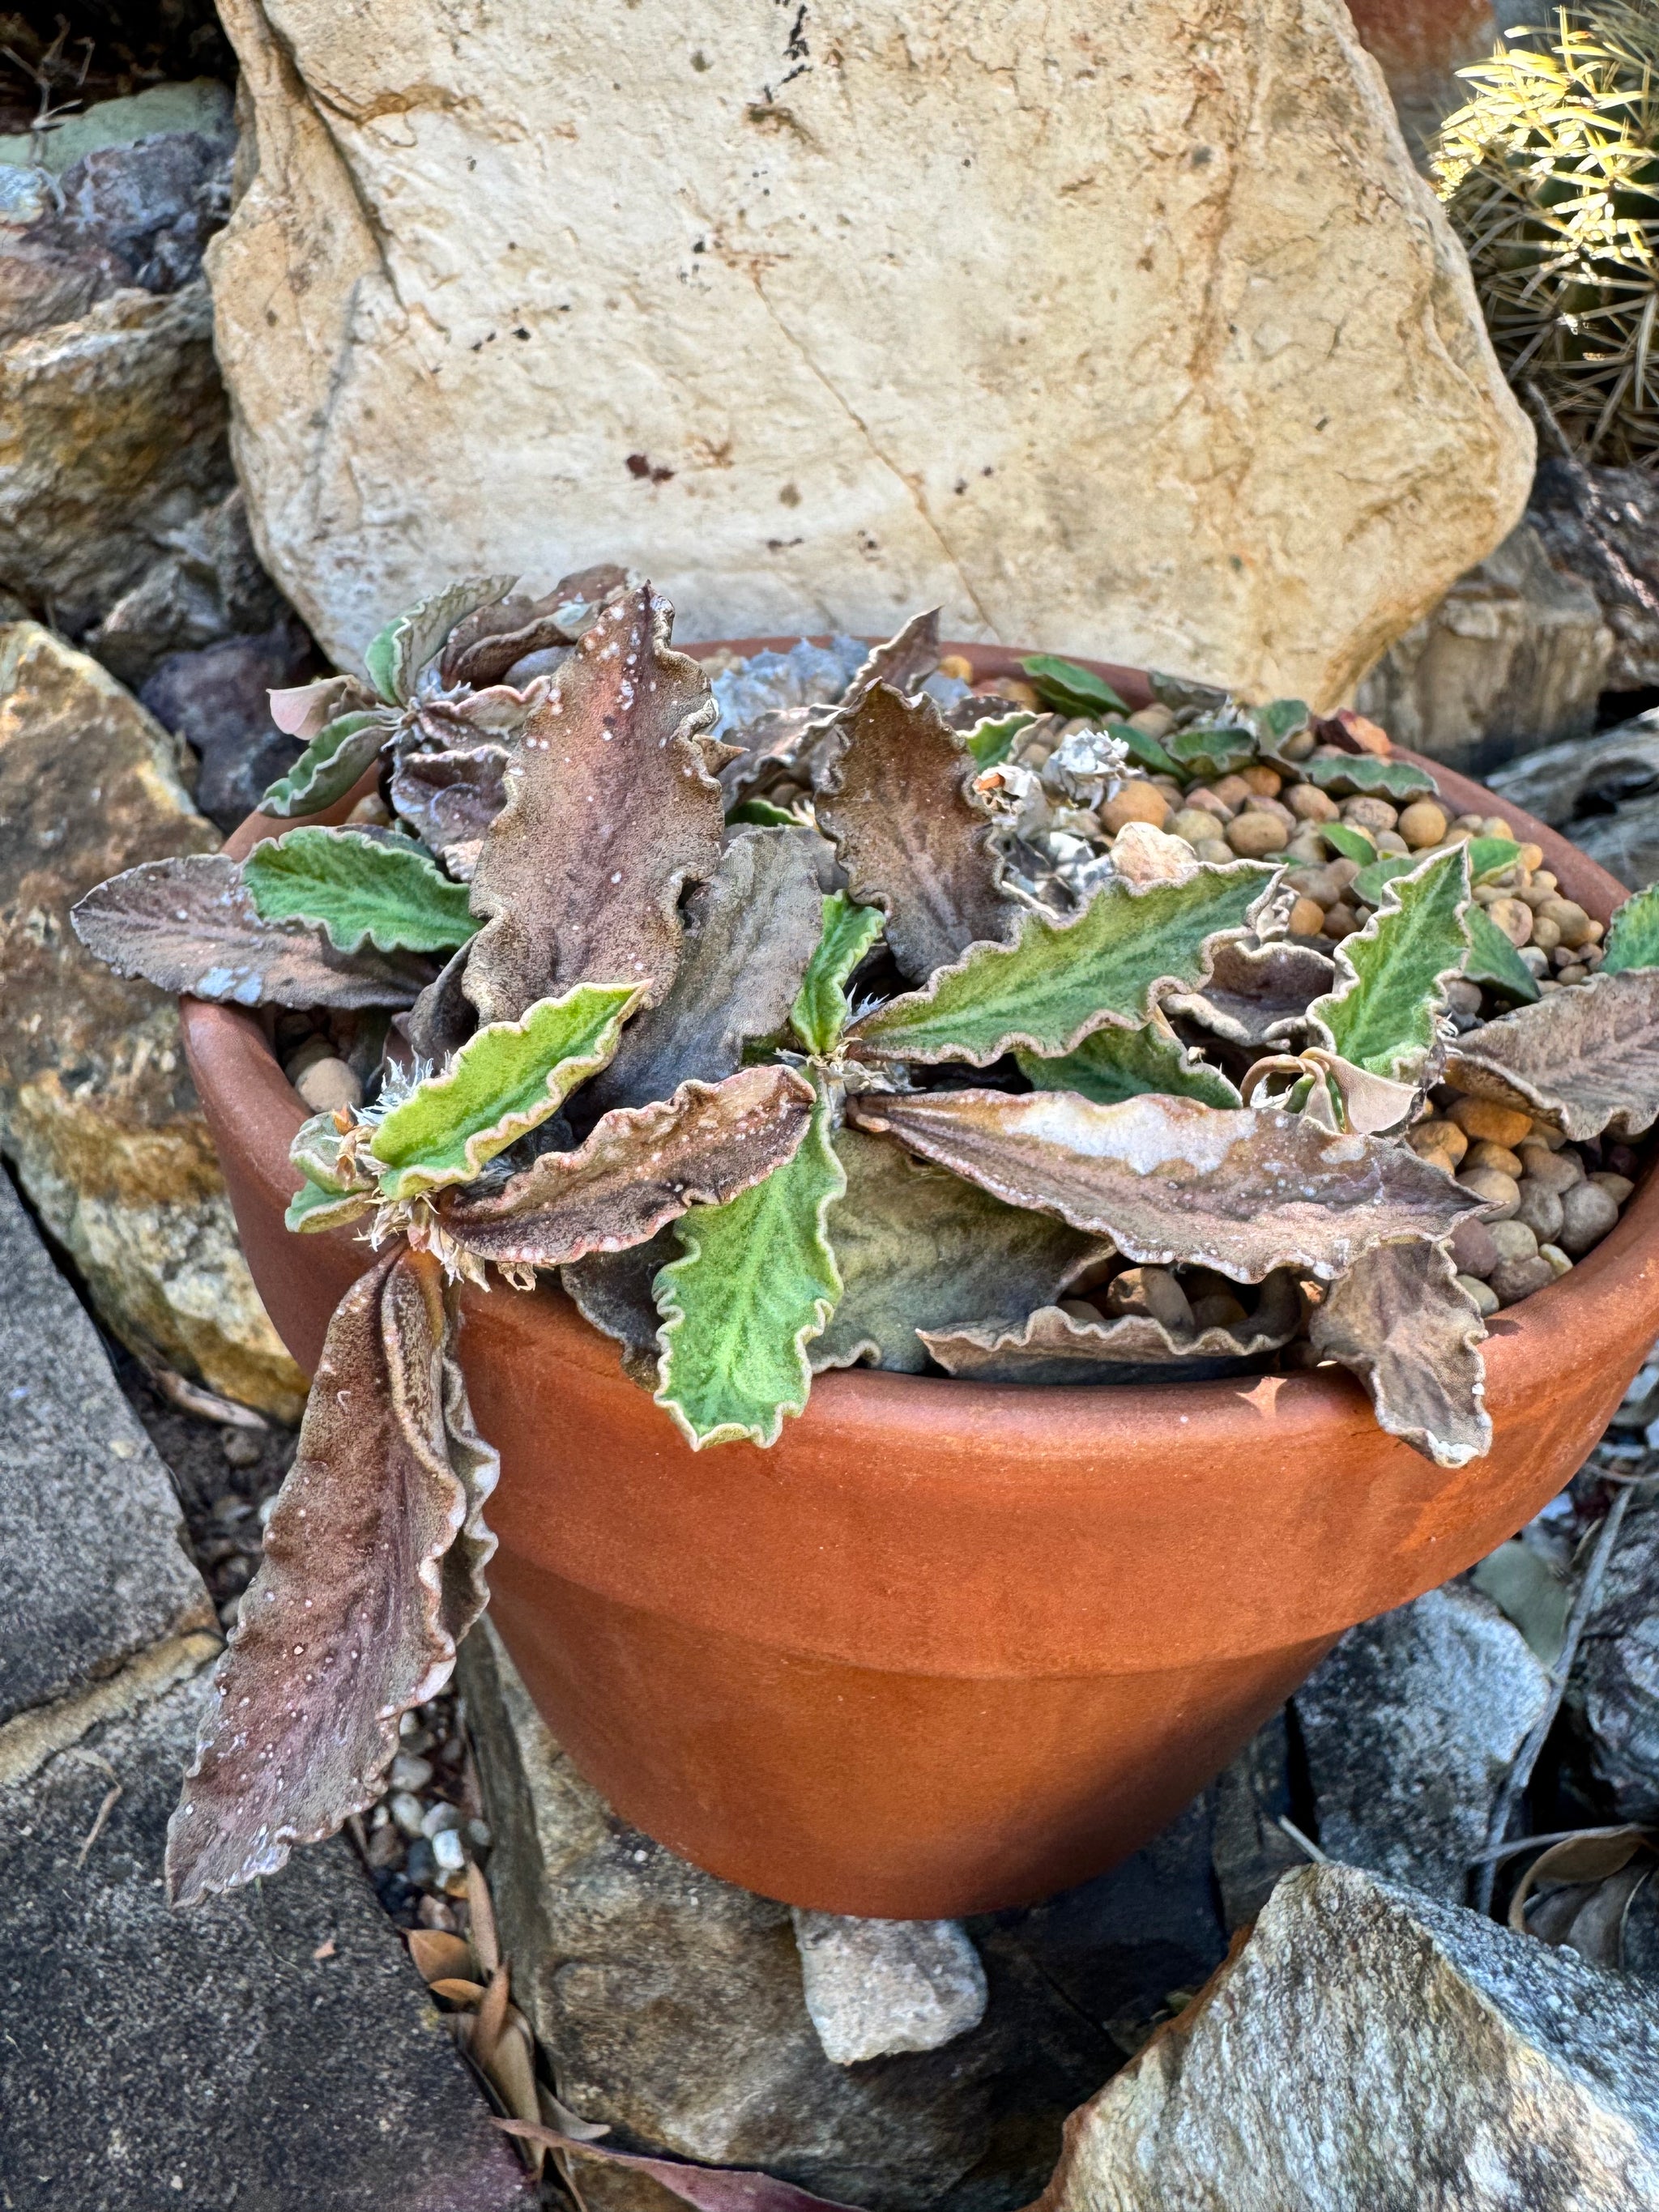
1550	177
767	1043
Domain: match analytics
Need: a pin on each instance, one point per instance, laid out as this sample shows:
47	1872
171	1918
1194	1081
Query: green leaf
1142	747
1352	844
1116	1064
396	657
991	740
1273	724
1210	750
761	815
313	1208
360	890
1346	774
1634	937
820	1013
1383	1013
1070	689
755	1282
1371	883
1490	857
339	754
1058	981
1494	961
502	1082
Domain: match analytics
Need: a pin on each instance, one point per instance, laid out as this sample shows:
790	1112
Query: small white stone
407	1811
449	1850
327	1084
874	1988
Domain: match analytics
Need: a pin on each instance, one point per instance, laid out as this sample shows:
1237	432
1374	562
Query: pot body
948	1646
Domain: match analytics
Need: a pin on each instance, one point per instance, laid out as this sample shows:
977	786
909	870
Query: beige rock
97	1112
502	293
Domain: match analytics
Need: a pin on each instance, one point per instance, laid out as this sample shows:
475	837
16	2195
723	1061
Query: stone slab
274	2051
93	1564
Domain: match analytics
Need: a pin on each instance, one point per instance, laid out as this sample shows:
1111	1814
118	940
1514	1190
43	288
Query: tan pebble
1341	920
1391	842
1438	1157
1201	794
371	810
1152	1290
1570	918
1305	847
1545	933
1541	1209
1514	1239
955	666
1134	801
1531	856
1366	811
1544	1134
1514	1279
1500	1191
1155	721
1575	974
1457	834
1557	1258
1215	850
1556	1171
1588	1213
1617	1186
1494	825
308	1055
1310	803
1307	918
1192	822
1472	1249
1232	791
1514	917
1017	692
1436	1135
1267	782
1422	823
327	1084
1473	825
1483	1153
1463	996
1484	1117
1594	932
1480	1295
1218	1310
1253	835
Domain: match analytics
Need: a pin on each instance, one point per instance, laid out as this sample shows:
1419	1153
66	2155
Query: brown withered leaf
1585	1058
187	924
305	710
476	1466
894	802
483	647
443	1018
351	1618
902	661
1577	1892
749	931
611	1291
1256	993
640	1167
919	1248
610	813
1055	1346
1399	1320
1242	1190
450	799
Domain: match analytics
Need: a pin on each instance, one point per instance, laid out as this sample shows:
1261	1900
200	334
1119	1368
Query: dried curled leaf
1171	1181
610	813
904	661
1058	981
894	800
1256	993
333	761
441	1019
1585	1059
757	1280
360	890
450	799
485	644
749	932
1633	939
820	1009
1113	1064
188	926
919	1249
503	1082
642	1167
396	655
1399	1320
303	710
1055	1346
1326	1088
1384	1013
611	1291
351	1620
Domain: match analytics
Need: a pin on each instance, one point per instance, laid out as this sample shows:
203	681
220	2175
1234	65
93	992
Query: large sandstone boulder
1128	331
97	1113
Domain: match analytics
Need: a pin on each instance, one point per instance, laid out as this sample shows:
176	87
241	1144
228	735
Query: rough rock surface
875	1988
206	587
1196	405
97	1112
1410	1727
1601	525
271	2050
672	2005
1604	792
216	700
1250	1849
93	1567
1514	656
1369	2048
1612	1697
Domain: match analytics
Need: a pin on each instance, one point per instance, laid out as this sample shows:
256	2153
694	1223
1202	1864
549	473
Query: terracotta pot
948	1646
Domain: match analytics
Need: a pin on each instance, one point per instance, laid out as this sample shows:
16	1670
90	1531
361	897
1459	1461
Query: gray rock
875	1988
1250	1850
271	2050
1513	658
1589	780
216	700
1626	844
93	1567
1601	525
1368	2048
1613	1695
207	587
1410	1727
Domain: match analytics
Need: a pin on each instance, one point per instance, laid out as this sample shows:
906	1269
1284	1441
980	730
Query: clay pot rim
1519	1339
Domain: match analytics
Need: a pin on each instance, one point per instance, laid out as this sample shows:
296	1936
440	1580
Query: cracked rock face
1369	2047
1249	395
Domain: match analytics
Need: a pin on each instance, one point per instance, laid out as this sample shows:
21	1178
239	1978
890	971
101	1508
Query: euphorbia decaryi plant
775	1089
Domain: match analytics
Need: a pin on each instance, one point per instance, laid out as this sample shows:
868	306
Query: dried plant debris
1002	1033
